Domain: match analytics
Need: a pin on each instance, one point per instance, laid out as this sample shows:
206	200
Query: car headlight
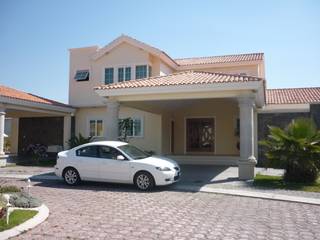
163	169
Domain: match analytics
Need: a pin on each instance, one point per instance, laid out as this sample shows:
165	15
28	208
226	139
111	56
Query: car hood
159	161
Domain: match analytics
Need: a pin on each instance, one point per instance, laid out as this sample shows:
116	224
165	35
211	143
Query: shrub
296	149
77	141
37	152
24	200
9	189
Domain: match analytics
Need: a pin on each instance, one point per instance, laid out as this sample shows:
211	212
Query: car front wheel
71	176
144	181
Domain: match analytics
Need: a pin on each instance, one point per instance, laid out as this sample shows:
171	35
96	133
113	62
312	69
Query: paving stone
105	211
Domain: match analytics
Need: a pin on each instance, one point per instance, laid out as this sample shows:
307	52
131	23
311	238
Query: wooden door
200	134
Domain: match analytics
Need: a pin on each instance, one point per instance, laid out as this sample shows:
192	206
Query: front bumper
167	177
57	171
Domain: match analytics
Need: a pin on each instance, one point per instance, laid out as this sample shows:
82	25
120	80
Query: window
108	75
135	128
108	152
96	128
120	74
128	73
82	75
90	151
141	71
124	74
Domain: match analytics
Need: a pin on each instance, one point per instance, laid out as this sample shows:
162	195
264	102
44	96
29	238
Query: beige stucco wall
13	135
166	133
151	139
225	113
165	69
82	93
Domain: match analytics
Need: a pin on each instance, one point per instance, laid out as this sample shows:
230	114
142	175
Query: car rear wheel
144	181
71	176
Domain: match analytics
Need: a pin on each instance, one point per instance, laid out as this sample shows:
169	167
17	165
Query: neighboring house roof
220	59
126	39
12	93
293	95
181	78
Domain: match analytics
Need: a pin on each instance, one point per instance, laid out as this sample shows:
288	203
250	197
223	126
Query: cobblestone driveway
104	211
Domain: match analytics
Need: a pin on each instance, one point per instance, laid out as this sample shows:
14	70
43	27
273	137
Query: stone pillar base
3	160
246	168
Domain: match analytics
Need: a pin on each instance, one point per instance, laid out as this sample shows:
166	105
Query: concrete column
247	160
112	120
2	122
66	131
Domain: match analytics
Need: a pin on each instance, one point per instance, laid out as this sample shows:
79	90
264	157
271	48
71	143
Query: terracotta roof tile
220	59
293	95
17	94
181	78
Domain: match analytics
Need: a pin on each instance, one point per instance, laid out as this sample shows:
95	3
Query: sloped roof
175	63
293	95
220	59
20	95
124	38
181	78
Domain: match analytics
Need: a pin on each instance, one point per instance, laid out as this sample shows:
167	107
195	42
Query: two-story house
206	110
197	110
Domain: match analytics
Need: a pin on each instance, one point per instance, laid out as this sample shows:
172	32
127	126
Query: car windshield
134	152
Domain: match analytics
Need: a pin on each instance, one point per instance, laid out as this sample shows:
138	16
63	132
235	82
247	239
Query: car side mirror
120	158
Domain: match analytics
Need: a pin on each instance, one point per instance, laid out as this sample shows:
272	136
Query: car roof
106	143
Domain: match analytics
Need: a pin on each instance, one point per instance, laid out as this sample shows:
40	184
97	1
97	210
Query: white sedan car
114	161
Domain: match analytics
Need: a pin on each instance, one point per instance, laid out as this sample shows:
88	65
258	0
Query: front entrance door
200	134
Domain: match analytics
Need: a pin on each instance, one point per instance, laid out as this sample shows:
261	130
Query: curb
32	177
41	216
252	194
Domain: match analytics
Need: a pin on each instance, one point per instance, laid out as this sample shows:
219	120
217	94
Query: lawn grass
276	182
16	217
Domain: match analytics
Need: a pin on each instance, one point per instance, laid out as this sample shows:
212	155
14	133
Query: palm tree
124	126
296	149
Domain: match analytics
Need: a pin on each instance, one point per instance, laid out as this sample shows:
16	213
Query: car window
134	152
108	152
90	151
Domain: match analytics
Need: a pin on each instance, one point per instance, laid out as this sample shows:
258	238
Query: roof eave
256	87
26	103
214	65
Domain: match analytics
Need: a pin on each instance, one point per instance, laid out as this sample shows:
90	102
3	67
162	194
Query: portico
217	109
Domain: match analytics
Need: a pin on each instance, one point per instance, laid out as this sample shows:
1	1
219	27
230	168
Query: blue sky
35	36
